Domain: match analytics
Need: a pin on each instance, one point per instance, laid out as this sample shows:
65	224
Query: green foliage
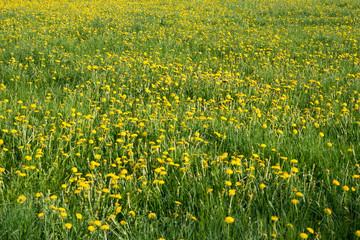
161	119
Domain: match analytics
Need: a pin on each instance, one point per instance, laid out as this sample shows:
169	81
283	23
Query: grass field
179	119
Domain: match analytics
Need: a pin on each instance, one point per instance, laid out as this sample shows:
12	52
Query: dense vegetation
179	119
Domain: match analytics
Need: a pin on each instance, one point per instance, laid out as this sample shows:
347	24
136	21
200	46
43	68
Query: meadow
179	119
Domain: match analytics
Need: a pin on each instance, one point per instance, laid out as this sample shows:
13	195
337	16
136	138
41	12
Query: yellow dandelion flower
132	213
123	222
303	236
327	210
68	225
118	210
91	228
105	227
299	194
229	171
97	223
274	218
336	182
229	220
21	199
79	216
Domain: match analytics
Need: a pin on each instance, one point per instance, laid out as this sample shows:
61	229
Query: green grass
163	107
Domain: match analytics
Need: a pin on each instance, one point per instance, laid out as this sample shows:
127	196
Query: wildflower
329	144
335	182
91	228
68	225
229	220
97	223
132	213
289	225
327	210
310	230
299	194
232	192
357	233
40	215
105	227
123	222
118	210
151	215
345	188
274	218
79	216
294	201
303	236
262	186
21	199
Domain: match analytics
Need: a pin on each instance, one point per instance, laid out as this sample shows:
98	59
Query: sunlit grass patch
179	119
